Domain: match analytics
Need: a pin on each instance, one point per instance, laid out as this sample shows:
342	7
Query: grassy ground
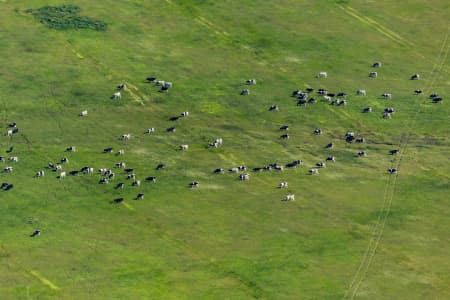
353	232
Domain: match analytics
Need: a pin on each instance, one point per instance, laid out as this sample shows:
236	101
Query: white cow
289	197
126	136
184	114
13	158
313	171
62	175
121	152
9	132
283	185
373	74
322	74
117	95
251	81
83	113
184	147
386	95
361	92
326	98
8	169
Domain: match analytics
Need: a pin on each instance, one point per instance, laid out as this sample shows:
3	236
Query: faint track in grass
390	188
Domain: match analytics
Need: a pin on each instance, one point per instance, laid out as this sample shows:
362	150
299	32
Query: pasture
353	231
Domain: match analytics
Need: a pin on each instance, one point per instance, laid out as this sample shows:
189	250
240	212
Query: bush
65	17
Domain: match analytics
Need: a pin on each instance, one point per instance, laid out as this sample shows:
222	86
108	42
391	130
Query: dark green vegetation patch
65	17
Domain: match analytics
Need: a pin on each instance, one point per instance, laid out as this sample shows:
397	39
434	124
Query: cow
184	147
139	196
387	115
116	95
136	183
320	165
234	170
310	90
360	140
283	185
361	92
393	152
437	100
349	137
122	86
418	92
121	164
150	130
71	149
290	197
318	131
35	233
251	81
160	83
12	125
244	176
331	158
322	91
108	150
312	100
296	93
242	168
40	173
415	77
341	102
362	153
126	136
326	98
103	181
434	96
313	171
58	168
373	74
219	171
376	64
329	146
160	166
184	114
386	95
171	129
10	149
322	74
294	164
64	160
392	170
13	158
62	175
389	110
301	102
284	127
150	79
284	136
194	184
278	167
273	107
6	186
131	176
9	132
367	109
84	113
167	85
151	178
245	92
120	152
331	94
341	94
117	200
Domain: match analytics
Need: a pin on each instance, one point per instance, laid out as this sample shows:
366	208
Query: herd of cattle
107	175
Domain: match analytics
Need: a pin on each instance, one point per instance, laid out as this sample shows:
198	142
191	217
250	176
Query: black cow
151	178
171	129
395	151
108	150
219	171
35	233
284	127
117	200
160	167
139	196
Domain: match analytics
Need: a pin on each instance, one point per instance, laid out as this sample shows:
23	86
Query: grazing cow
244	176
84	113
389	110
257	169
184	147
322	74
171	129
234	170
313	171
71	149
194	184
118	200
116	95
151	79
58	168
373	74
415	77
150	130
160	83
349	137
392	170
367	109
121	152
103	181
242	168
111	175
62	175
139	196
434	96
386	95
74	172
290	197
341	94
318	131
361	92
245	92
284	127
122	86
121	164
393	152
326	98
273	107
184	114
13	158
320	165
284	136
302	96
322	92
126	136
278	167
377	64
35	233
12	125
40	173
10	149
9	132
331	94
167	85
151	178
164	89
294	164
108	150
331	158
296	93
283	185
360	140
131	176
301	102
418	92
6	186
329	146
362	153
64	160
437	100
136	183
219	171
160	167
2	158
341	102
251	81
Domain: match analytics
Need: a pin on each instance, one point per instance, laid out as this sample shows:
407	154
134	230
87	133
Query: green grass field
353	231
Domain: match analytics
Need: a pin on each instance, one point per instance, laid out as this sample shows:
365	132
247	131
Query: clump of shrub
66	17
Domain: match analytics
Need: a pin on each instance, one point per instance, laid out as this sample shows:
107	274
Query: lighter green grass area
351	233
